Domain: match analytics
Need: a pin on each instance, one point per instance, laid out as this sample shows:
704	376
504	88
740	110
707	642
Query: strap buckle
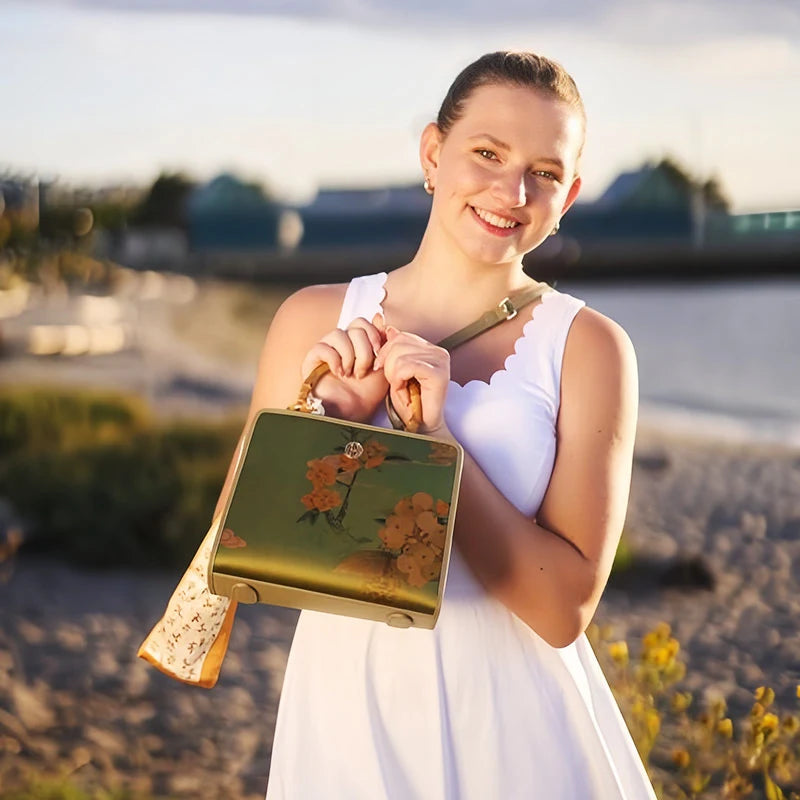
507	307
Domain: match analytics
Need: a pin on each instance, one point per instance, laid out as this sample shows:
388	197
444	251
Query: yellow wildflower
725	728
663	630
658	656
681	758
770	722
619	652
681	701
650	640
765	695
653	721
673	647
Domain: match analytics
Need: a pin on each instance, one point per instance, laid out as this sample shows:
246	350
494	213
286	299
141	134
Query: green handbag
344	517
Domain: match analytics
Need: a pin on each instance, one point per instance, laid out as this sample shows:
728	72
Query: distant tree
111	216
165	202
260	190
56	222
713	193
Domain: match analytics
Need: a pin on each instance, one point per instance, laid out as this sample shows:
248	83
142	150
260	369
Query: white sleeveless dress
480	707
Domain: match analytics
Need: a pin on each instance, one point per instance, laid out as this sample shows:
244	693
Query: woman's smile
494	223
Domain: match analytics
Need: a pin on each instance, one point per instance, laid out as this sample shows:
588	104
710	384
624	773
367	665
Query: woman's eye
546	174
486	154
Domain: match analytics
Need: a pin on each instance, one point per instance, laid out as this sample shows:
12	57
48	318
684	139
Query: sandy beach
74	699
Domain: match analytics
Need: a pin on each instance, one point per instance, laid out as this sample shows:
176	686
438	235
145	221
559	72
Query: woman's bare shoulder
321	302
593	334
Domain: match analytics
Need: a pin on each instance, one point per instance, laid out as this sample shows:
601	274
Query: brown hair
509	67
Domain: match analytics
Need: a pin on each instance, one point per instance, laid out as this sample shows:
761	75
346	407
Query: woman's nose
510	189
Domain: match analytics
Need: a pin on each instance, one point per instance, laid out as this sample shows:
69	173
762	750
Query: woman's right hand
352	389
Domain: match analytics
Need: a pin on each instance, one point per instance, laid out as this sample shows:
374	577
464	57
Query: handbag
336	516
327	515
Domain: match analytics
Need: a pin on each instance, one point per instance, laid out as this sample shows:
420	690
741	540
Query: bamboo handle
412	426
306	405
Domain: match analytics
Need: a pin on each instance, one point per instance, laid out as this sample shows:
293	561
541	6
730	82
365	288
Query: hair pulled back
517	68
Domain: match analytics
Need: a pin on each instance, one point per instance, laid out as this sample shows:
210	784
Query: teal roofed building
230	215
392	216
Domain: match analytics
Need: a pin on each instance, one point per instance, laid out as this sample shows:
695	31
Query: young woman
504	698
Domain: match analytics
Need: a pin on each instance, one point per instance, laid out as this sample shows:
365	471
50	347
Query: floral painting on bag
332	507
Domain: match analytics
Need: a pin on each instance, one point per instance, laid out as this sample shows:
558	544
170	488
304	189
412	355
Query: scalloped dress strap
363	293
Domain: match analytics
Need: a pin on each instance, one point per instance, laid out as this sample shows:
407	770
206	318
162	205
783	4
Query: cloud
666	21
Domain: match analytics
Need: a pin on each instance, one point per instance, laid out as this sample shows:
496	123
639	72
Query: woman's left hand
405	356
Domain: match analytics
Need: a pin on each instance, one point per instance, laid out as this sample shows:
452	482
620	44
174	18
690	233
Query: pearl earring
427	186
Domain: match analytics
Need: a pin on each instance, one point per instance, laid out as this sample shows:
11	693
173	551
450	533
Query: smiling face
505	173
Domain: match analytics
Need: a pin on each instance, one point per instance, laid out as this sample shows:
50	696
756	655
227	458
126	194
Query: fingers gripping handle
412	426
307	403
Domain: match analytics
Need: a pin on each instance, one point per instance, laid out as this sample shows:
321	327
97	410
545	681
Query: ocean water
720	359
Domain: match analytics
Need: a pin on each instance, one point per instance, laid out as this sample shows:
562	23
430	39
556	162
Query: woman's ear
572	194
429	146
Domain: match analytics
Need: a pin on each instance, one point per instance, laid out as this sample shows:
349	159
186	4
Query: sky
299	94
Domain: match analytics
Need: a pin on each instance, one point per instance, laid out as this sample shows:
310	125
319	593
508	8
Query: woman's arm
551	571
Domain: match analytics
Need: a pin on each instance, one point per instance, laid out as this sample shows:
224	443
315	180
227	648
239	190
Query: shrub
97	482
705	754
35	420
39	788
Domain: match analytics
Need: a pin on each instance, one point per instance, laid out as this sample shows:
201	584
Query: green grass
100	483
37	788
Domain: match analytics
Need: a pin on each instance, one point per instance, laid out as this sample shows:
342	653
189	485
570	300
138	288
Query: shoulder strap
507	308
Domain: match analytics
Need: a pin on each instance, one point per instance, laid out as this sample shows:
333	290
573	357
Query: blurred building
780	228
393	216
652	206
229	215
